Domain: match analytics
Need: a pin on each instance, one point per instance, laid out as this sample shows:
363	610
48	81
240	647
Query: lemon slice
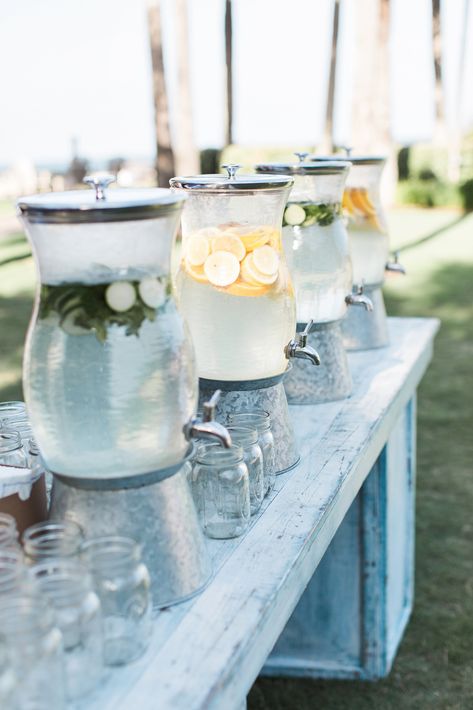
222	268
242	288
230	243
120	296
197	272
253	275
266	260
294	215
197	249
275	240
362	202
252	237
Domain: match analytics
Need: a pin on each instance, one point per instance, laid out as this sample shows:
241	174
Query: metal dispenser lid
99	205
231	182
328	167
354	159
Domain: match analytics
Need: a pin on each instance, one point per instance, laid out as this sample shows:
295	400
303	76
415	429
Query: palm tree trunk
439	99
164	153
229	71
187	157
327	141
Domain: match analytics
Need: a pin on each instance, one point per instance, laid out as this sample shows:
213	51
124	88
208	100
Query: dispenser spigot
298	348
301	156
359	299
395	265
207	428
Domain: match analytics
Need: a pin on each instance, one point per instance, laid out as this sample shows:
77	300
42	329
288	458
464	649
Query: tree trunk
327	141
371	130
439	99
187	157
164	153
229	71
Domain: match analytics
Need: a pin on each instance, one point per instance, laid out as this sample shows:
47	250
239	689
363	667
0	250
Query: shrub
466	192
428	193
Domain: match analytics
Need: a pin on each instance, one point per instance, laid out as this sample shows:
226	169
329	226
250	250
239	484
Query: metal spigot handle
305	334
208	409
301	156
348	149
100	183
231	169
395	265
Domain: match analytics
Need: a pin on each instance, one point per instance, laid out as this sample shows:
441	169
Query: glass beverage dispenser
316	247
109	370
235	291
369	248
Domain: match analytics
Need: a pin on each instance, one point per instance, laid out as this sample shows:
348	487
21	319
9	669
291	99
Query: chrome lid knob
231	169
99	183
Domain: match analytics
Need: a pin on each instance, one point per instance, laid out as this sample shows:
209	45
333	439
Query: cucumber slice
68	323
294	215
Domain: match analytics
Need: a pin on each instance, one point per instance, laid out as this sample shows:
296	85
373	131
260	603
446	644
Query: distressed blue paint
351	618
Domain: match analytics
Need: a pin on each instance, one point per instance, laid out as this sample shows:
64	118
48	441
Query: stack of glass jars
98	611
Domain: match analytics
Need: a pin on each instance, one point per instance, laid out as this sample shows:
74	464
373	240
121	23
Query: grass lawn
434	668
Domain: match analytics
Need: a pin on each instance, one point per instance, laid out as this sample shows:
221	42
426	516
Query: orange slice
253	275
197	249
230	243
197	272
222	268
362	202
252	237
266	260
242	288
347	203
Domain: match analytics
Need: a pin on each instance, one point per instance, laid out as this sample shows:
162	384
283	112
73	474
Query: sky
81	68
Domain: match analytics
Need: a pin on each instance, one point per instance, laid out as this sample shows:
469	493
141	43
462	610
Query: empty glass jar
261	421
35	653
122	583
11	449
221	490
247	438
13	579
67	585
8	531
52	539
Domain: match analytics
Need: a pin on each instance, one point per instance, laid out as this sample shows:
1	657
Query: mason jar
68	587
221	490
10	409
35	651
247	438
8	531
19	423
13	578
261	421
11	449
52	539
9	681
122	583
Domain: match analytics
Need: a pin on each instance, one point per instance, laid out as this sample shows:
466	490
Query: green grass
434	668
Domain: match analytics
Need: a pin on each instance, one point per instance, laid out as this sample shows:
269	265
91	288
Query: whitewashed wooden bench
322	583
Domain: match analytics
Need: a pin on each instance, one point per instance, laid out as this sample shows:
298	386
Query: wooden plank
206	653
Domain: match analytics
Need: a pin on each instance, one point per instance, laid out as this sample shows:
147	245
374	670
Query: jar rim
62	580
215	454
10	440
110	553
259	417
47	538
243	435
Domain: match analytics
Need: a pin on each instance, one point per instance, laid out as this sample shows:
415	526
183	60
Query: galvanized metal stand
362	329
329	381
155	509
267	394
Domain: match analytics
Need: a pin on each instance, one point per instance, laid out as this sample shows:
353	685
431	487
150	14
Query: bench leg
351	618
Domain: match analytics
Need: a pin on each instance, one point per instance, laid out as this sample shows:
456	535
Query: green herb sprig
320	213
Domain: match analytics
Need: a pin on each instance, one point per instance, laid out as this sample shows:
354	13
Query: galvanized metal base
267	394
365	330
329	381
160	515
